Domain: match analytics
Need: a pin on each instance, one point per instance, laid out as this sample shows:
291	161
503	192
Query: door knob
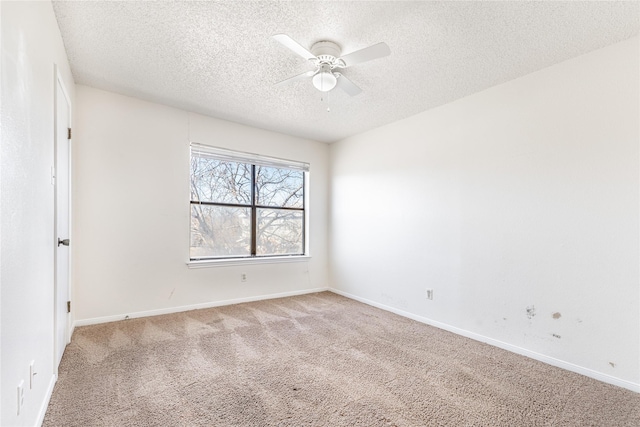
64	242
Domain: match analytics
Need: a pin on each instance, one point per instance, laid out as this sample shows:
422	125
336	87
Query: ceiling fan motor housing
326	51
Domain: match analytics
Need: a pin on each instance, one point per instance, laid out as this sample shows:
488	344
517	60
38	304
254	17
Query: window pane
279	232
221	182
218	231
279	187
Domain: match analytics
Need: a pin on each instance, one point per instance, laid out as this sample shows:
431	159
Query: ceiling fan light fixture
324	81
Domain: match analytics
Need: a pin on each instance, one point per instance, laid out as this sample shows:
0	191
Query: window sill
247	261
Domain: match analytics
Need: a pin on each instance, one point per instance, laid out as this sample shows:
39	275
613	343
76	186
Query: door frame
59	81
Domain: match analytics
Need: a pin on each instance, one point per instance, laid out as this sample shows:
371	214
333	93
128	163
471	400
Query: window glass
220	231
279	232
279	187
222	182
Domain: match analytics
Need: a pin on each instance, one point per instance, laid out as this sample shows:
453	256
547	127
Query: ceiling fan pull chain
325	96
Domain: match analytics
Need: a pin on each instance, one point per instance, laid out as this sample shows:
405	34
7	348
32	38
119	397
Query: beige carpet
314	360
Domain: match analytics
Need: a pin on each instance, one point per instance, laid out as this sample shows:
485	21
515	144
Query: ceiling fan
325	56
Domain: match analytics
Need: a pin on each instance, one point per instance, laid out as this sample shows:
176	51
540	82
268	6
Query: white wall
523	196
1	209
131	210
31	45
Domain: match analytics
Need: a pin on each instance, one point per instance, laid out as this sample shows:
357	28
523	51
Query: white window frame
254	159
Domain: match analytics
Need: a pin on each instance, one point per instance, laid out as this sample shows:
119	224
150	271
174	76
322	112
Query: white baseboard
168	310
45	402
496	343
503	345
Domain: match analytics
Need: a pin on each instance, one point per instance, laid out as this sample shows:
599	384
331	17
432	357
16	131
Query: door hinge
68	306
69	133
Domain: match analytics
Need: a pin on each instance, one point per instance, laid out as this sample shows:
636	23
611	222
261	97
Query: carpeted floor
314	360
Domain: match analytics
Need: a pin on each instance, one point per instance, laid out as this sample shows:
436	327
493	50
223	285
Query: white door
62	168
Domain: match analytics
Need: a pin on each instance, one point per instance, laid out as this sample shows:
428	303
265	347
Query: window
245	205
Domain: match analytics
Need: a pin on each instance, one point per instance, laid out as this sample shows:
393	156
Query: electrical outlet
243	277
430	294
20	395
32	374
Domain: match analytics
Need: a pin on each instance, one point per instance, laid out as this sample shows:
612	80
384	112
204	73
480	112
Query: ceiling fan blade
302	76
294	46
348	86
376	51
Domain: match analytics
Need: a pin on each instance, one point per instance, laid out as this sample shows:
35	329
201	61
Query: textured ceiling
218	58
